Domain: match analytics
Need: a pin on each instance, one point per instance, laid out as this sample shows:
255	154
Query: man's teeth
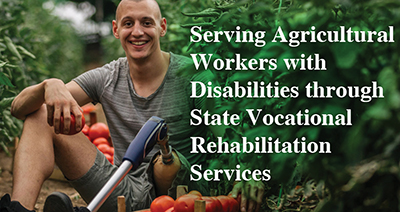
138	43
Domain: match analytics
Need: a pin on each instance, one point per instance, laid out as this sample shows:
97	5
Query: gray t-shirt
126	112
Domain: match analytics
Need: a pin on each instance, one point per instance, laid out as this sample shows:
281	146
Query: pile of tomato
99	135
185	203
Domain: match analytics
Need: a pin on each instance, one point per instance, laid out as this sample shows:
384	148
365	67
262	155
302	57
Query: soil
48	187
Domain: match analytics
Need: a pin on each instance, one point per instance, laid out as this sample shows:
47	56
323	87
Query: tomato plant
338	180
30	53
162	203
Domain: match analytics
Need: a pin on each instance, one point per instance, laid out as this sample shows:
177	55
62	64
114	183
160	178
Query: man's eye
128	24
147	23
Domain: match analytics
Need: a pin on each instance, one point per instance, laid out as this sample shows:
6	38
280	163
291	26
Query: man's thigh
74	154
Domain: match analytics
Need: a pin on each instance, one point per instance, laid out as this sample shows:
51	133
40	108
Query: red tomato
212	204
185	203
112	150
162	203
85	129
171	209
97	130
99	141
72	127
109	158
88	108
104	148
229	204
194	192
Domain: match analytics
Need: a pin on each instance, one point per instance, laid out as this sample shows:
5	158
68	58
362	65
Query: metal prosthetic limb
153	131
166	151
165	168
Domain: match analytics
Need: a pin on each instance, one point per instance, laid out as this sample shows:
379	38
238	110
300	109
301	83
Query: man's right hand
58	98
60	102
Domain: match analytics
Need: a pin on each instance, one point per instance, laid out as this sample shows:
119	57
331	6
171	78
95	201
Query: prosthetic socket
165	167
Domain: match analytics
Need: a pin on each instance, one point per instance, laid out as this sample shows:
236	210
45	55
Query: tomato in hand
185	203
162	203
72	126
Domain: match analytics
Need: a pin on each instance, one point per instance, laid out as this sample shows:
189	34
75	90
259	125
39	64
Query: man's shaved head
153	3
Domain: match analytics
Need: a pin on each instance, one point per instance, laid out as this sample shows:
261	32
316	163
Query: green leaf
6	102
10	45
26	52
4	80
210	12
203	24
345	54
2	63
2	47
4	147
5	27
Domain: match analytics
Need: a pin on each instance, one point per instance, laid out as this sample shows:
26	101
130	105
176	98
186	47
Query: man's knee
37	118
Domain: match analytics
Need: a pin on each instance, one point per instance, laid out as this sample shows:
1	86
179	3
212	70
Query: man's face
139	27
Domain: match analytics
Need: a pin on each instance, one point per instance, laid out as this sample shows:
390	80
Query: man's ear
163	27
115	29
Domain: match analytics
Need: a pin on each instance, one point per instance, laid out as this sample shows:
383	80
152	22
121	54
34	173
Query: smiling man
131	89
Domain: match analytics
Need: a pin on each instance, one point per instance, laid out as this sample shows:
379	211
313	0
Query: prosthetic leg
165	168
153	131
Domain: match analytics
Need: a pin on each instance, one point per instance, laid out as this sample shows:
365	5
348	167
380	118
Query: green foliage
34	45
362	172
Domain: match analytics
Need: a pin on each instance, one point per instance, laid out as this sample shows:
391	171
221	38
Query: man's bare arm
60	99
28	100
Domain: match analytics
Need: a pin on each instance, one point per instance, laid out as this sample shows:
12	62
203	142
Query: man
131	90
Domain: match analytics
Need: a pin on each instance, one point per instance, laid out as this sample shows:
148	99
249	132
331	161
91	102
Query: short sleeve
94	81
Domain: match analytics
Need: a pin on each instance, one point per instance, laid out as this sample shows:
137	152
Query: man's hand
59	102
251	195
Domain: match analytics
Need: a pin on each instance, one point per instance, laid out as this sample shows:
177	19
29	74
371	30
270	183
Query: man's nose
137	30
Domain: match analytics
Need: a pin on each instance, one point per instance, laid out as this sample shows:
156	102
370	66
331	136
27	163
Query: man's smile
138	43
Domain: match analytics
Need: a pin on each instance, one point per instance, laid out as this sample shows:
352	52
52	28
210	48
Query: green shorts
137	186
